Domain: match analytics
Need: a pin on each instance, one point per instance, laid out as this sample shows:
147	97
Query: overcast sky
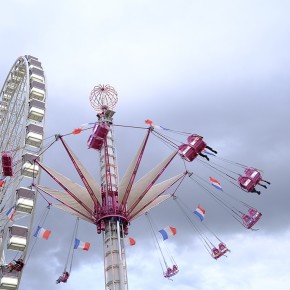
217	68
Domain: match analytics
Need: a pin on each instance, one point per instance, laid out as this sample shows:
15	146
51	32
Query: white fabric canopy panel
156	202
141	185
91	181
155	191
127	177
73	212
79	191
66	199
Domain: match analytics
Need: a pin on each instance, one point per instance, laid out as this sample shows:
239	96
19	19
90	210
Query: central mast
109	217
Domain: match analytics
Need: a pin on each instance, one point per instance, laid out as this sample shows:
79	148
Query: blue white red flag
215	183
79	245
2	180
129	242
42	233
167	232
10	213
200	212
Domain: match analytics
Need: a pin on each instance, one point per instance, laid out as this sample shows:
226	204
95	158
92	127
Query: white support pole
114	259
121	268
115	266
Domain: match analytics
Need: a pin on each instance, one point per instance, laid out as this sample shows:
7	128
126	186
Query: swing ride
22	118
168	271
112	205
69	261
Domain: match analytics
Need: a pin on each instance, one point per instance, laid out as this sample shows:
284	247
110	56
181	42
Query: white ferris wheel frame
25	82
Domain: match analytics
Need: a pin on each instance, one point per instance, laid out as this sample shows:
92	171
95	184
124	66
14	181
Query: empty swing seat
249	220
17	239
95	143
254	214
24	200
171	272
216	253
196	142
7	164
223	248
100	132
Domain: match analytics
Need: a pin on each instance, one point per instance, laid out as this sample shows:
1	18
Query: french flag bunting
42	233
79	245
2	180
215	183
129	242
200	212
10	213
167	232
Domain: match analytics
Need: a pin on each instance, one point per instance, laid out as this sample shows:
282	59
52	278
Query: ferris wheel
22	118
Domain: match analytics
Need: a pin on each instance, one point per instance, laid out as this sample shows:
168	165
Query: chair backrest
196	142
215	251
246	218
252	212
222	246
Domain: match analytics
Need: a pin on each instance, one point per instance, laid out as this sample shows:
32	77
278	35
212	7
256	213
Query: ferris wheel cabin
8	280
18	74
37	90
36	74
34	135
36	110
3	106
29	167
17	239
9	91
24	200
